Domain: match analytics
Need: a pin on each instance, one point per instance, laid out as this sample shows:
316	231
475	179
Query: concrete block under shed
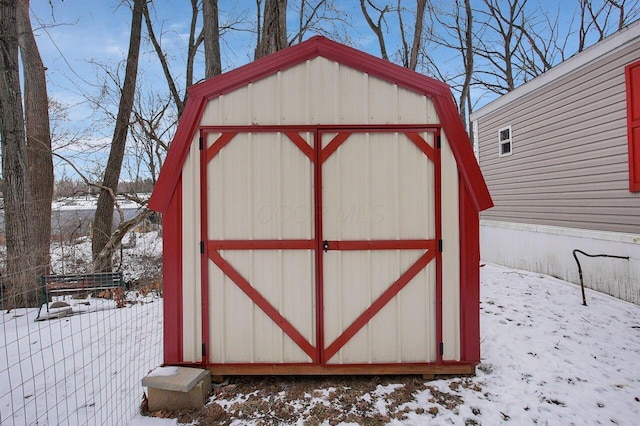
177	388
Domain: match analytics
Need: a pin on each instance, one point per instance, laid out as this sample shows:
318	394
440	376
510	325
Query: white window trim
501	142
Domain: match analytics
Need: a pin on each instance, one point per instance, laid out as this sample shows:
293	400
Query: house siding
569	166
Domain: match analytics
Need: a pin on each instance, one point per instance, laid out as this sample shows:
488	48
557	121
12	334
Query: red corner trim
172	279
334	145
469	278
421	144
263	304
379	303
463	151
178	150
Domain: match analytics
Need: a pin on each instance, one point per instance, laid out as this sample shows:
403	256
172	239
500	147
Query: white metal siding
274	199
379	186
319	91
450	255
260	187
191	289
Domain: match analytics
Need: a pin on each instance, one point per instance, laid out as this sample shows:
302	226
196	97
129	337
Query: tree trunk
39	157
103	220
376	27
19	279
417	34
466	43
213	64
274	28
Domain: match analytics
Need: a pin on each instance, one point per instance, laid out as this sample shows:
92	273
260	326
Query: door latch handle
325	246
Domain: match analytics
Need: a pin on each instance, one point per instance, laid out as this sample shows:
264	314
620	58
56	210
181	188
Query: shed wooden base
427	371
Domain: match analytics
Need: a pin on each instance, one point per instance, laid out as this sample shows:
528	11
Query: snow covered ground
81	369
546	360
88	202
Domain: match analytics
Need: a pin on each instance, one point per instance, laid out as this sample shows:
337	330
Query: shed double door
320	245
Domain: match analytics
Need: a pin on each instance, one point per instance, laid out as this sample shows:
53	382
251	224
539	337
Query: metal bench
55	285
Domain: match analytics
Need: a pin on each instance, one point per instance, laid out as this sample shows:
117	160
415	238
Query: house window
505	141
633	124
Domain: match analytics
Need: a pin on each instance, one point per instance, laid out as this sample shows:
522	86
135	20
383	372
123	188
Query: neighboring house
561	157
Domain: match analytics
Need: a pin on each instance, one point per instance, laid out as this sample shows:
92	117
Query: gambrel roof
437	91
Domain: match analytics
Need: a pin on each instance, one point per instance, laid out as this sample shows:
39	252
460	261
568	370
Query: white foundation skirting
548	250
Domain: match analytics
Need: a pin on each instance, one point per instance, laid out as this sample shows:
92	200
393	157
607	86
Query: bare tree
173	88
544	43
211	32
304	19
272	31
19	278
465	35
103	221
377	26
600	18
380	18
40	159
498	44
410	55
456	33
153	126
628	11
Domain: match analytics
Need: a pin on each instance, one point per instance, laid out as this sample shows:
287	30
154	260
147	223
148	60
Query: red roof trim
172	168
348	56
463	152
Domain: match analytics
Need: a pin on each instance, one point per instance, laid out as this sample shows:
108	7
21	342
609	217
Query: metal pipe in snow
575	256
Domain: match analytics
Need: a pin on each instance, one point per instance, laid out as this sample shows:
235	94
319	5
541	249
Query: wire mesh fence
82	365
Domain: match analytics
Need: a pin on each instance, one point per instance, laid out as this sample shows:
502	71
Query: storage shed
321	216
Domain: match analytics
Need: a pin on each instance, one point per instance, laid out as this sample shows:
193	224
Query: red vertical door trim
204	262
172	278
632	73
317	194
438	218
263	304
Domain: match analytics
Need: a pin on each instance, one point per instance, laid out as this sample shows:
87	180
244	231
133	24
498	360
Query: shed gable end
344	56
319	91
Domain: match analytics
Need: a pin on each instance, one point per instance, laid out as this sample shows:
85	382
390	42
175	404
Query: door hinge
440	245
201	143
441	348
204	349
438	141
201	247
